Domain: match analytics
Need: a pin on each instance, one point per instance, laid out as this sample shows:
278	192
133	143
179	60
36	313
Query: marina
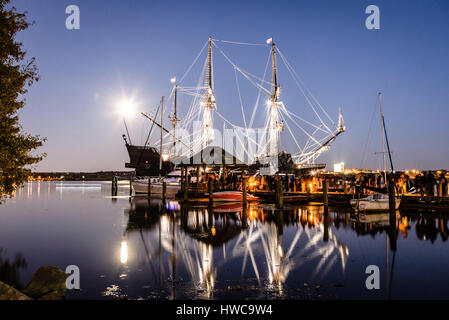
251	156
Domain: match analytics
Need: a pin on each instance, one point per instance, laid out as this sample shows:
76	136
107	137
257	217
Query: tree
17	74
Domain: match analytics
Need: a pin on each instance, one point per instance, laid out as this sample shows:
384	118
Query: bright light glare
165	157
126	108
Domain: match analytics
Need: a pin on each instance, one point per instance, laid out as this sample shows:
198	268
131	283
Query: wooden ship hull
145	160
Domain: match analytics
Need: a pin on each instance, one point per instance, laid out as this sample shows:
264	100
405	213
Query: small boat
232	196
141	187
378	201
374	202
172	182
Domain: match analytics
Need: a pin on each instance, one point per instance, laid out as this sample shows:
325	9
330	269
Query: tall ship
308	132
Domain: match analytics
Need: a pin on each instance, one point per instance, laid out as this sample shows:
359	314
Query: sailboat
374	202
378	201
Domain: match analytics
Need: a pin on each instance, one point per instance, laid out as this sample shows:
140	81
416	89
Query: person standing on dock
419	181
443	182
379	181
292	183
430	183
285	181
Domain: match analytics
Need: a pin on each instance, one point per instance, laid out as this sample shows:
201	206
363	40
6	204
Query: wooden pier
197	193
334	199
312	186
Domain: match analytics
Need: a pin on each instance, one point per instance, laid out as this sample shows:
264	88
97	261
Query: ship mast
273	121
175	119
209	99
209	65
160	148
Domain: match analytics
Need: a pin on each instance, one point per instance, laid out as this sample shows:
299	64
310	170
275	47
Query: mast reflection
190	247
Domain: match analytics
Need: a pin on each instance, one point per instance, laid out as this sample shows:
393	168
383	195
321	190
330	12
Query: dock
324	188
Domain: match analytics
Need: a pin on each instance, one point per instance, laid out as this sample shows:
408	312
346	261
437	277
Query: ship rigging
308	137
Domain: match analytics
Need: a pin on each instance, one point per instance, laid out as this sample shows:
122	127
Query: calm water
131	248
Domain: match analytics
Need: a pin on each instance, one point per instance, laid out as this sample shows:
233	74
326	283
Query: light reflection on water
132	248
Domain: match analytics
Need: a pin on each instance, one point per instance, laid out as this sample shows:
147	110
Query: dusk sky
133	48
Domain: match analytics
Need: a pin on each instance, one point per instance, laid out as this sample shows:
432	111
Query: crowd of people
425	183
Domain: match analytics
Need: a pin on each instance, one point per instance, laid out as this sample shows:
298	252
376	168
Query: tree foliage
17	74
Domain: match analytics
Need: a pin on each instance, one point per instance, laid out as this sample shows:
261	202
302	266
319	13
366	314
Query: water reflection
135	248
123	252
202	240
10	270
429	229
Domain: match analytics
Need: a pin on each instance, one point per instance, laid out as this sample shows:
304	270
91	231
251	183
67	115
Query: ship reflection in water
229	251
133	248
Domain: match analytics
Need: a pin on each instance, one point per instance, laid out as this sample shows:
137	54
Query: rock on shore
9	293
47	283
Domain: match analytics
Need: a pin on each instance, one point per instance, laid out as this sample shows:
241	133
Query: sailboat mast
160	148
383	139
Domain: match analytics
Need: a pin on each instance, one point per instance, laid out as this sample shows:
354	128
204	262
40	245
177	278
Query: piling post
325	192
223	179
276	190
245	200
198	178
182	179
281	194
211	192
345	185
164	190
391	194
186	186
130	187
114	185
149	187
